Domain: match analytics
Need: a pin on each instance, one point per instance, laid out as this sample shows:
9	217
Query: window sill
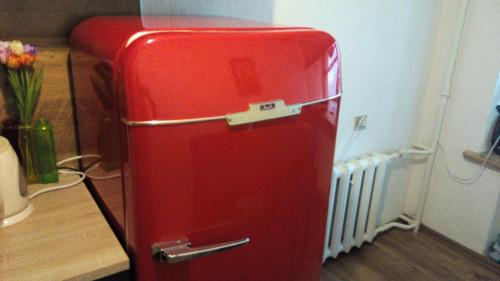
478	158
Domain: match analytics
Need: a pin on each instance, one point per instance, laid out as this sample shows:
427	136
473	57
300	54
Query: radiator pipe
419	151
411	224
445	96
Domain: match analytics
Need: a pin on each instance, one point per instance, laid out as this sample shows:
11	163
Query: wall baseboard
483	260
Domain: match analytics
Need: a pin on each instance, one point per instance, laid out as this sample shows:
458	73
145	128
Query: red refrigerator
210	143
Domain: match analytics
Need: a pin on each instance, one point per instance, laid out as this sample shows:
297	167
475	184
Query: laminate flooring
405	255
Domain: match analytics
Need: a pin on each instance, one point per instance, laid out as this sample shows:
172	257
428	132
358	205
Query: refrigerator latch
263	111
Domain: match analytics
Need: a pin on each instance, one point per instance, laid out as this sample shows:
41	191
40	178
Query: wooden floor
402	255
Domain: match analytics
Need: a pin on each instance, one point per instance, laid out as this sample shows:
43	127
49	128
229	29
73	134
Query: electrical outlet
360	122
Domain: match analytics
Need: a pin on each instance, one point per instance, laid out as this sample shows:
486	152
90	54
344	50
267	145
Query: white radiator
354	203
354	207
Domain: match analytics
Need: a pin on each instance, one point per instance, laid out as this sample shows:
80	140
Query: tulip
13	61
4	54
30	49
16	47
27	59
4	44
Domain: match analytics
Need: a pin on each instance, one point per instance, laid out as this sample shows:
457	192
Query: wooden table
65	238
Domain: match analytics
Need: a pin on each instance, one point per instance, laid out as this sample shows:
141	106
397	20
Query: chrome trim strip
150	123
172	122
321	100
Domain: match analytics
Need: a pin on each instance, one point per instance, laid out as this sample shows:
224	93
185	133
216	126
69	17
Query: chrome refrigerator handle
181	250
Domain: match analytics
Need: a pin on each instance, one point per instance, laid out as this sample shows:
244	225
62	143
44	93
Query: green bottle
45	151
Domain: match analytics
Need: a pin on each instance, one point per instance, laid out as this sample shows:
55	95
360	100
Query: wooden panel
405	255
65	238
55	18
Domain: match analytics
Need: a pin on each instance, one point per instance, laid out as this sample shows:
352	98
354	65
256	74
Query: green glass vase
27	147
45	152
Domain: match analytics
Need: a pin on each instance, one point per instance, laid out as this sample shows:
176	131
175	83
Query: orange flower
27	59
13	61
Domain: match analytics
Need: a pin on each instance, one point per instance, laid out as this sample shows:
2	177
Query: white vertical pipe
445	96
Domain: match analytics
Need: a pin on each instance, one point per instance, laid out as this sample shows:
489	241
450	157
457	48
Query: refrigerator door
224	180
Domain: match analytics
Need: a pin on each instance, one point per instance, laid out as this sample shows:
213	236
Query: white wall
385	47
469	214
261	10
